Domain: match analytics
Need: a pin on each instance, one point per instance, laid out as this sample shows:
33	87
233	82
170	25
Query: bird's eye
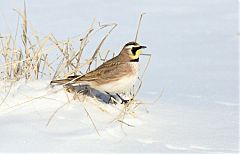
134	50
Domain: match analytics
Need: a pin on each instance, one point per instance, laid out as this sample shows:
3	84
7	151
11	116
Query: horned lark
115	76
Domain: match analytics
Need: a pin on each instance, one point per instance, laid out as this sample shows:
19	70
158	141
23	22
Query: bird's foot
112	100
126	101
69	88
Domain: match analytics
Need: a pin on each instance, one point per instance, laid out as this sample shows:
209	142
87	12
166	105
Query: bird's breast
123	83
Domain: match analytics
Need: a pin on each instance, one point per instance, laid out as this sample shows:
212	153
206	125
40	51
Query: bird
114	76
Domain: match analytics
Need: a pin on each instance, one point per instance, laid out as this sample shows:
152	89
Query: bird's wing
108	71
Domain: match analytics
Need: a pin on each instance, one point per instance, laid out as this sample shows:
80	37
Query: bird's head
132	50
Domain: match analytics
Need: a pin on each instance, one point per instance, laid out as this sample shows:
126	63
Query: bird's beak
143	47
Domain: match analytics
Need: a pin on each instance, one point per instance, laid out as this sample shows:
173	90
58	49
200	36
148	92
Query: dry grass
31	60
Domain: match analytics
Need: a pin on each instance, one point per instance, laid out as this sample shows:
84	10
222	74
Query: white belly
123	84
119	86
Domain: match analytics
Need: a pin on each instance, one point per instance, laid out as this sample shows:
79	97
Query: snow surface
194	47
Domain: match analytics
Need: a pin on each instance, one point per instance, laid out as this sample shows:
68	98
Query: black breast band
135	60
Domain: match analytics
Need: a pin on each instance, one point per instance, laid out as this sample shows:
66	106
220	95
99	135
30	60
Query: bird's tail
69	79
61	81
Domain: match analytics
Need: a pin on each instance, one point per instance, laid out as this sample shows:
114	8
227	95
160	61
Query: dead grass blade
89	116
6	95
57	110
100	45
91	120
54	113
141	77
139	24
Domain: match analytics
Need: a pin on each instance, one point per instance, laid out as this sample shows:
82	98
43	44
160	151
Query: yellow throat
136	56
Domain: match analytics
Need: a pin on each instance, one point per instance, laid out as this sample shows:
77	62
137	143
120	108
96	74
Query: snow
194	47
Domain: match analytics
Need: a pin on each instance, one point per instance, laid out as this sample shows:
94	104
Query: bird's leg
123	100
69	88
110	99
85	90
